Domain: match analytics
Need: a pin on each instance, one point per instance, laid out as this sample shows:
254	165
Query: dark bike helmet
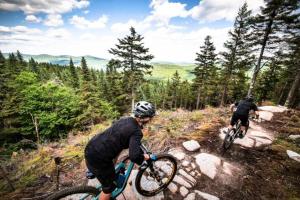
250	98
144	109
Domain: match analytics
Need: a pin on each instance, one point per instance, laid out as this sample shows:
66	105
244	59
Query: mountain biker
242	113
104	147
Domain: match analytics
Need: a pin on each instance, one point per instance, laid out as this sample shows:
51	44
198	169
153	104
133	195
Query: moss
282	145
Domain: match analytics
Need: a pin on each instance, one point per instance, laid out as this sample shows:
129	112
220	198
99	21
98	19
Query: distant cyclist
103	148
241	112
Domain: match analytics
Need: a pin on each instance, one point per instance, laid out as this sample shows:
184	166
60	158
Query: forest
43	102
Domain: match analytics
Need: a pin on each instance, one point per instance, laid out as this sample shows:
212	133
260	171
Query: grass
166	71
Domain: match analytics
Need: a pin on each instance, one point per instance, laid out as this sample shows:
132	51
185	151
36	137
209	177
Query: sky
173	30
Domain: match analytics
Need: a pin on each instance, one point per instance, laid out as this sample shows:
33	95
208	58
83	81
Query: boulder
266	115
173	187
186	163
208	164
273	108
293	155
191	196
294	137
177	153
187	176
183	191
191	145
181	181
206	196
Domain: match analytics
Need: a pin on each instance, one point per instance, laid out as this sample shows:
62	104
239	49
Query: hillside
242	173
161	70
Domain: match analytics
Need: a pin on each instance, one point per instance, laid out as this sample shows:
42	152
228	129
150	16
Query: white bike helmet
144	109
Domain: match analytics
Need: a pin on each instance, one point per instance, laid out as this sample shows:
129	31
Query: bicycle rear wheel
228	140
154	179
83	192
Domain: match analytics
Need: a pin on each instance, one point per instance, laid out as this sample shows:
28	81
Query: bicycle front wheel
154	179
83	192
228	140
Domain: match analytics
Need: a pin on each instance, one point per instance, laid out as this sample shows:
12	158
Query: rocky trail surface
205	174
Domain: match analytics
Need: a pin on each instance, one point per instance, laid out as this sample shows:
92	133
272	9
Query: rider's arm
136	154
254	107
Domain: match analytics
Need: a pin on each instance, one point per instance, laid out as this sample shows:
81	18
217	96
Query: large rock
208	164
173	187
191	196
177	153
187	176
183	191
293	155
294	137
206	196
266	115
273	108
191	145
181	181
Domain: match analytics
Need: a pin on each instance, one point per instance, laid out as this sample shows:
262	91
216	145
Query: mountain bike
153	177
234	133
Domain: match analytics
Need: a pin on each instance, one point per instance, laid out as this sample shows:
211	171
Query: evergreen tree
85	70
175	83
273	20
33	65
205	68
74	76
134	60
237	59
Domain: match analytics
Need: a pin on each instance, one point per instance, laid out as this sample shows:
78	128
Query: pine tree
267	25
33	65
74	76
175	83
237	59
205	68
85	70
134	60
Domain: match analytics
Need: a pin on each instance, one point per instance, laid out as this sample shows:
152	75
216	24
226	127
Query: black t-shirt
244	107
124	133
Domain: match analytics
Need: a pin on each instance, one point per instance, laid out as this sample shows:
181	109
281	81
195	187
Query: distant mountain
162	70
92	61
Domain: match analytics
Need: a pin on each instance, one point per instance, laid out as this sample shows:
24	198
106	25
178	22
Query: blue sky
173	29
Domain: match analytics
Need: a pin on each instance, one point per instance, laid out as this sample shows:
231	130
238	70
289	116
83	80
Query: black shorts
236	116
104	172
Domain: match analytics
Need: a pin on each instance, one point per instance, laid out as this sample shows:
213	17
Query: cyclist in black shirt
242	113
104	147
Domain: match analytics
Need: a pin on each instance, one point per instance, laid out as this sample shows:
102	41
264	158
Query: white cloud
53	20
213	10
86	12
163	11
58	33
33	19
82	23
19	30
37	6
124	27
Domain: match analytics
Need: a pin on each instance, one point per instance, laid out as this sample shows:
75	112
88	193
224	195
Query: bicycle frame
117	191
128	171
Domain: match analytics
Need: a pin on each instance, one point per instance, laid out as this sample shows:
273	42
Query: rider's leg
104	196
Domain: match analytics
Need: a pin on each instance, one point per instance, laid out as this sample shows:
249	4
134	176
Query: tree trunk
263	46
36	126
224	95
292	92
198	98
132	99
280	100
